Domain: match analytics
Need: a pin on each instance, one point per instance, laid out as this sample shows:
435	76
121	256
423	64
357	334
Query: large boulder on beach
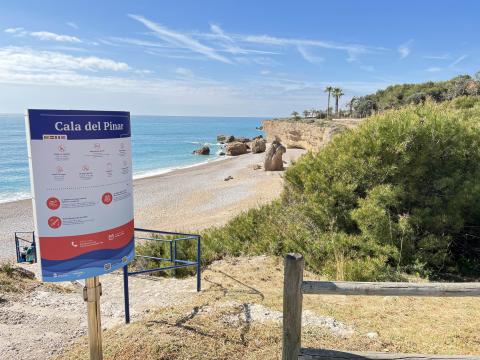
204	150
222	139
242	139
258	146
273	157
236	148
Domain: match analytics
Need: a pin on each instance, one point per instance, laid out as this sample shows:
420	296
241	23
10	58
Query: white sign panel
81	177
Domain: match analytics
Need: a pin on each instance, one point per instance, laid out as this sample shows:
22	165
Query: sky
225	58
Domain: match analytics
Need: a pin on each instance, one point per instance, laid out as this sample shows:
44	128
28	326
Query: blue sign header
79	124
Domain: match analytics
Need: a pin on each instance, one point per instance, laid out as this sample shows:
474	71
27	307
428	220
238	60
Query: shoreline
189	198
138	176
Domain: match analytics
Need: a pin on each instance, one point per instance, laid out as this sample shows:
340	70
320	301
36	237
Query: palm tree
295	114
328	89
305	113
338	93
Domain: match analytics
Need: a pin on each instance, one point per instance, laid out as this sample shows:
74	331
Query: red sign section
67	247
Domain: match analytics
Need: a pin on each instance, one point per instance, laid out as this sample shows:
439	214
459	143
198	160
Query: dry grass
204	328
14	280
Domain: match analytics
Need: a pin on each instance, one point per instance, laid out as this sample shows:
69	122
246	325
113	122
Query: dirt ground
238	316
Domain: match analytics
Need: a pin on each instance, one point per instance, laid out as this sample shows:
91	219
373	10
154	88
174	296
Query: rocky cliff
303	135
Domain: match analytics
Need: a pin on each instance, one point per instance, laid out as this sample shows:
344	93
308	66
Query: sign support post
91	294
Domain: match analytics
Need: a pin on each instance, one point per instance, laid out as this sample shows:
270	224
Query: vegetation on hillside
396	96
399	194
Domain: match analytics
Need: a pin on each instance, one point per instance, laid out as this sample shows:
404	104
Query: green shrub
405	180
398	194
465	102
186	250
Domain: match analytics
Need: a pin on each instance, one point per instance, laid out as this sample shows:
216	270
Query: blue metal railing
29	253
174	262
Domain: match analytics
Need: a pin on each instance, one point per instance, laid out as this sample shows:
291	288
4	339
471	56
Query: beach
189	199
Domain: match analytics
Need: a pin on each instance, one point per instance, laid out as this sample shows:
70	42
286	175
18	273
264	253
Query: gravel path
42	322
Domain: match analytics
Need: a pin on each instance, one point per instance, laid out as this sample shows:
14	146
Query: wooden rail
294	288
391	288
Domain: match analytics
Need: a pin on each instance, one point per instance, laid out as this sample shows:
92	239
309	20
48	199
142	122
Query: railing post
174	257
17	252
199	265
125	294
292	306
34	246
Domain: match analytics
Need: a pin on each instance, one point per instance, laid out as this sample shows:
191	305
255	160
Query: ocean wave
161	171
204	143
23	195
11	197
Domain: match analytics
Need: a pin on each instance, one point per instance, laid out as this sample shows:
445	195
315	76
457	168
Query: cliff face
297	134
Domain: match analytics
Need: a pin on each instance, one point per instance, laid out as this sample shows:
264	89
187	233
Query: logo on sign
54	222
107	198
53	203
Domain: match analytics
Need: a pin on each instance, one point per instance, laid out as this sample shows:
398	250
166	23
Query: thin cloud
16	30
114	41
451	66
405	49
17	59
308	56
72	24
180	40
458	61
271	40
353	50
46	35
184	72
230	45
43	35
437	57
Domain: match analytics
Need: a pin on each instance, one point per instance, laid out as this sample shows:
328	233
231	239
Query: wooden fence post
292	306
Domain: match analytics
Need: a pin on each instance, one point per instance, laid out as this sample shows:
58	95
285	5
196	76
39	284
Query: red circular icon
54	222
107	198
53	203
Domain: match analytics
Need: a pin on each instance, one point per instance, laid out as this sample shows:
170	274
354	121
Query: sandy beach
187	199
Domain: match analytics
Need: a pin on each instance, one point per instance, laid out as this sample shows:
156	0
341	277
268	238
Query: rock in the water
273	157
236	148
258	146
222	139
242	139
228	178
204	150
221	153
258	137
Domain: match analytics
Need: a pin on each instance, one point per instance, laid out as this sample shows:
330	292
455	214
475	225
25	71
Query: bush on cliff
400	193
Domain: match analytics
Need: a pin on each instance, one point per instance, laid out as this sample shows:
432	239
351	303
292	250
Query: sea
160	144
